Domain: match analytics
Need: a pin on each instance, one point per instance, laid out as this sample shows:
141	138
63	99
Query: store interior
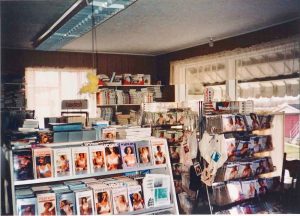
150	107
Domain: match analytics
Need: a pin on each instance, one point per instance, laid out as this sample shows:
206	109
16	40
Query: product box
23	164
80	156
88	135
109	133
62	162
84	202
159	150
65	203
113	157
75	136
144	153
128	153
97	159
120	200
43	164
136	199
45	136
60	137
26	206
46	204
102	198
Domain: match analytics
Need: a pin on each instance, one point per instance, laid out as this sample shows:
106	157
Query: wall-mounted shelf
124	98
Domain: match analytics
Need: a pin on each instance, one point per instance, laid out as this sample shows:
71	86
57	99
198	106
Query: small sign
74	104
215	156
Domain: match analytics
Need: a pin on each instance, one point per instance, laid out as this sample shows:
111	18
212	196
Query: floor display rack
178	125
153	168
243	171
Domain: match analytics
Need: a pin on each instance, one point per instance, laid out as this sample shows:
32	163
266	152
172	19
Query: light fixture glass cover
81	23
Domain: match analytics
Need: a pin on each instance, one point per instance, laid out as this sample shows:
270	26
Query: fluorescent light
120	6
61	18
79	21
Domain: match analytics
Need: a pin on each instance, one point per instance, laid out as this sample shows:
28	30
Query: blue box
60	137
89	135
75	136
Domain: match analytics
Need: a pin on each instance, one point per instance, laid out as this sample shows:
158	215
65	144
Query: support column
231	82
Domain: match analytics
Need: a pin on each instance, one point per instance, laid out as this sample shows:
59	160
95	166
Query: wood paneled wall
14	62
265	35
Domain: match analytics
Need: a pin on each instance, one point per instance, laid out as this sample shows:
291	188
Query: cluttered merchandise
219	159
76	183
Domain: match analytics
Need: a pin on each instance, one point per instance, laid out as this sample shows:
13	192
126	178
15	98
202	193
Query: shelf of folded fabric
154	210
74	177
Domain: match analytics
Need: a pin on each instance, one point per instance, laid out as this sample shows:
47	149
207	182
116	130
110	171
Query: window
47	87
267	74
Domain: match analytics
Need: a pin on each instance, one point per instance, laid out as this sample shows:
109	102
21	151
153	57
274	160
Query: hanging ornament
92	85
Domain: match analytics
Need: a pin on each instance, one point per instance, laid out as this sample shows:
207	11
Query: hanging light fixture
77	21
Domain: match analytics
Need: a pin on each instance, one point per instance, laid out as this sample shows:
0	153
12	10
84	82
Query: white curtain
47	87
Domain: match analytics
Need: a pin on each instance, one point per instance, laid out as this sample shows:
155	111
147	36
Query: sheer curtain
47	87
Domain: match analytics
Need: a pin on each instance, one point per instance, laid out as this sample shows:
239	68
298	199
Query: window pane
46	89
46	79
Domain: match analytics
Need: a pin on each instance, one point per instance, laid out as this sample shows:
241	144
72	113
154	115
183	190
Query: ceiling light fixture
77	21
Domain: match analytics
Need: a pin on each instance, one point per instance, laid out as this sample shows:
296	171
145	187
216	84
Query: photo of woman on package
43	167
255	122
113	158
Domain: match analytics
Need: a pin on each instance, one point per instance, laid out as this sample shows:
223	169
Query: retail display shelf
52	144
57	179
154	210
